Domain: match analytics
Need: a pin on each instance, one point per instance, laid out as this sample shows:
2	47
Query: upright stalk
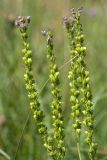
58	123
78	149
30	84
81	96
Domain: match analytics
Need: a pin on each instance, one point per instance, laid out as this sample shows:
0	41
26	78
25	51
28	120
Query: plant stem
21	137
2	153
99	153
78	148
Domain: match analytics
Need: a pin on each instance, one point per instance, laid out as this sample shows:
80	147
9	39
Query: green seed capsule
73	99
77	113
29	52
78	49
29	61
24	35
79	79
24	51
86	73
83	49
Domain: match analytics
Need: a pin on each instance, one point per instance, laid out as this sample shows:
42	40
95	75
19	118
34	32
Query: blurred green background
14	105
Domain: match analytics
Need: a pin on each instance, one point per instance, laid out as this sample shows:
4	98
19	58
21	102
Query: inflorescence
81	96
22	24
58	133
80	92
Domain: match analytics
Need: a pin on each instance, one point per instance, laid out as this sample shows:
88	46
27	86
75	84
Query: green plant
23	22
58	133
81	97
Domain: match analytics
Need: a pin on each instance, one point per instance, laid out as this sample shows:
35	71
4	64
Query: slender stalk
99	153
78	149
21	137
2	153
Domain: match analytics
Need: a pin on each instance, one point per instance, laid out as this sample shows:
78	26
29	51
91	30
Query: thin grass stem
21	137
3	154
78	149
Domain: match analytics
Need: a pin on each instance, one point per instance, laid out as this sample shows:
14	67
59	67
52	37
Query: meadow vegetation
19	137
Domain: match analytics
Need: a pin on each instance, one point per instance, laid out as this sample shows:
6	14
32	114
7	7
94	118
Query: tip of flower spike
72	10
66	22
65	19
80	9
28	18
49	36
19	17
44	32
22	22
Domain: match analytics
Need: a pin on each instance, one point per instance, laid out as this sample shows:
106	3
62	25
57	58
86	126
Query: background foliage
14	106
